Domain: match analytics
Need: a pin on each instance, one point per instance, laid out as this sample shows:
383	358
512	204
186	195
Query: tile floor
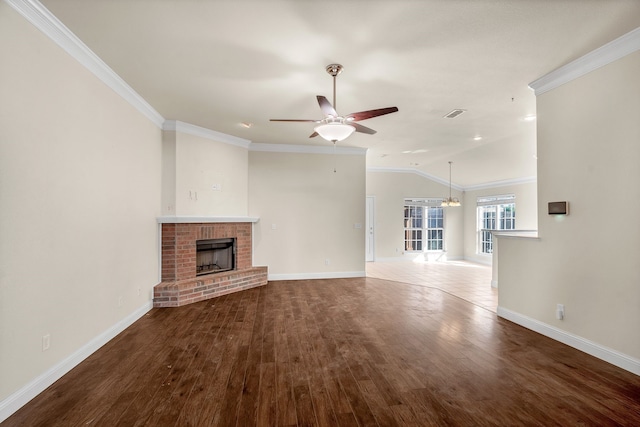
466	280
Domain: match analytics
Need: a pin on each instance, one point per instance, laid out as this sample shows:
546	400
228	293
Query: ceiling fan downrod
334	70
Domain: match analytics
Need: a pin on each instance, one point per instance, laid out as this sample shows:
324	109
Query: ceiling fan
335	127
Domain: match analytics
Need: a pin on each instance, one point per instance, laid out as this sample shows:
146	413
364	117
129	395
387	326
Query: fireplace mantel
204	219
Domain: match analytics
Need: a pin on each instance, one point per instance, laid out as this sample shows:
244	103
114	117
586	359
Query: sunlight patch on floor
466	280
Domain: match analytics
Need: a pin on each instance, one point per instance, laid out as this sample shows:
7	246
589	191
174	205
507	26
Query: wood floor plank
205	404
267	407
251	386
376	403
345	352
304	406
285	400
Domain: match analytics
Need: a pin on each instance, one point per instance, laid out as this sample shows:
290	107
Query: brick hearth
180	286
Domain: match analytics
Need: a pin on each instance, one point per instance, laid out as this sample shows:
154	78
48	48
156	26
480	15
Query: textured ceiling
216	64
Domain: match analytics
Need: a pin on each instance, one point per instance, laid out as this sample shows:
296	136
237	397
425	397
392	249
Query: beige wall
588	153
313	210
526	214
193	165
390	189
79	194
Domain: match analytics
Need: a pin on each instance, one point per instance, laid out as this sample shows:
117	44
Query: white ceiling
216	64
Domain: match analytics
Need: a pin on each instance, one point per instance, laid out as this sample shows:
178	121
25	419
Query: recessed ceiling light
246	124
477	138
530	118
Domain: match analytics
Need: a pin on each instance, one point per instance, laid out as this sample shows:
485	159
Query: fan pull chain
334	157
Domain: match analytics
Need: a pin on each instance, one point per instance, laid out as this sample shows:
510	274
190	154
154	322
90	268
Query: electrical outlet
138	291
46	342
327	261
560	311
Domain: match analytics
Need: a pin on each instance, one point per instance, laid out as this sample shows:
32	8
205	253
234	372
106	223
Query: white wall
526	214
390	189
193	166
313	210
79	194
588	154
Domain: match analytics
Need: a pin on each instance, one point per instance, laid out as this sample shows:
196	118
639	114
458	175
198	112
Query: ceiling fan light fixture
334	131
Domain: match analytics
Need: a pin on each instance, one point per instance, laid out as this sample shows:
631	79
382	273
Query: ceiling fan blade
313	135
294	120
364	115
326	106
362	129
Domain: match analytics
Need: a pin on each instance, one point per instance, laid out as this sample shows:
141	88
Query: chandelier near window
450	201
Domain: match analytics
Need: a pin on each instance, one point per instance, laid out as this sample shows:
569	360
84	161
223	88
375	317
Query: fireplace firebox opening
215	256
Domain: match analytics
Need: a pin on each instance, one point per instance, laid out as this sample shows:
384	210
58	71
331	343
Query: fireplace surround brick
180	285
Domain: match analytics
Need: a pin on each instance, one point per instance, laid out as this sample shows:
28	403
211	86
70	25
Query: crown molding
503	183
307	149
416	172
34	12
610	52
494	184
182	127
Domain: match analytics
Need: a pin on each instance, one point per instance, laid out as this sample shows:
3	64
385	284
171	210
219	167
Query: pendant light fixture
450	201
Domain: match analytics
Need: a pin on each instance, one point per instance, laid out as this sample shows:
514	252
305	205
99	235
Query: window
494	213
423	225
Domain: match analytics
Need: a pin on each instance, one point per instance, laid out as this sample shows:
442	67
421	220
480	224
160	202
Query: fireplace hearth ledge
204	219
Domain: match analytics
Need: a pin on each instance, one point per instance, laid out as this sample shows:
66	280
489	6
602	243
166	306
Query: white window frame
503	208
422	232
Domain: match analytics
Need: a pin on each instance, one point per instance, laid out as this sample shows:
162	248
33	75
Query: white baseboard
392	259
412	257
328	275
21	397
614	357
480	260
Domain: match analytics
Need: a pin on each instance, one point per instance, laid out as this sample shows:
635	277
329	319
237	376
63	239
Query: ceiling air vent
454	113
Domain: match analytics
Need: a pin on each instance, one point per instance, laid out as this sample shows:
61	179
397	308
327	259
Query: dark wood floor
346	352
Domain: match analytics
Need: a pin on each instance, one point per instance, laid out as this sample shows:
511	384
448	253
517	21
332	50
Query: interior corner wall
526	215
210	177
389	190
80	193
168	183
588	152
309	214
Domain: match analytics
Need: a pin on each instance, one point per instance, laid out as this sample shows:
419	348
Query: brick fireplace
182	283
